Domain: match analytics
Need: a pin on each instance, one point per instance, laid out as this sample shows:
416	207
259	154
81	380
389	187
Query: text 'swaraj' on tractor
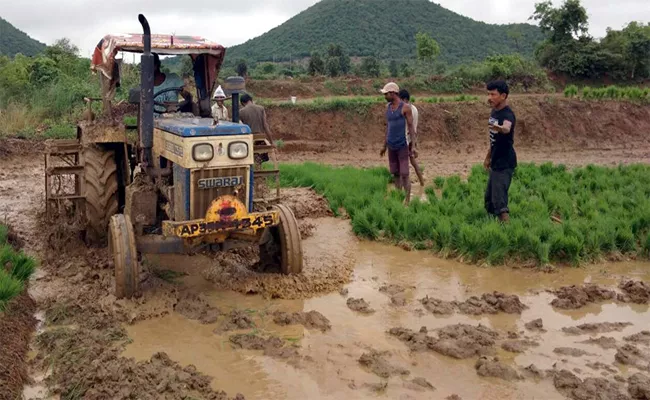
186	183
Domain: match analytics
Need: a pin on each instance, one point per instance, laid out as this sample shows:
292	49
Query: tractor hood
193	127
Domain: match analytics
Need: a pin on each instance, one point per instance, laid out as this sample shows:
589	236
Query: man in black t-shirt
501	159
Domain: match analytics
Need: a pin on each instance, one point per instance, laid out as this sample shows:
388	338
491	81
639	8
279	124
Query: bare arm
488	159
504	128
408	113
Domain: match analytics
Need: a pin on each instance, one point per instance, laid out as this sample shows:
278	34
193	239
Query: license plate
226	181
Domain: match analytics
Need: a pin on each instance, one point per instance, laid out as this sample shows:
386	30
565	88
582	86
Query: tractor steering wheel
177	106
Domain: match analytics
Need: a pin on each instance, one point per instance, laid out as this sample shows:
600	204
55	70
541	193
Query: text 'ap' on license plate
226	181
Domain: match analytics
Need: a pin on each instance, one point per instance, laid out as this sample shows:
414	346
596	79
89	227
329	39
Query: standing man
255	116
399	116
405	96
501	159
219	110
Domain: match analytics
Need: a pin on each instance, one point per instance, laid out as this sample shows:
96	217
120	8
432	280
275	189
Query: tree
316	64
64	54
336	51
427	47
268	68
406	70
333	66
516	36
370	67
562	24
43	70
394	70
241	68
637	48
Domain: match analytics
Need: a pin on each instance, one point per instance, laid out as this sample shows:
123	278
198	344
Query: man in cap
219	110
399	116
406	98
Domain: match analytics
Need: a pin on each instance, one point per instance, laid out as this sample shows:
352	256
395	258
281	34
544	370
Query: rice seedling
10	287
558	215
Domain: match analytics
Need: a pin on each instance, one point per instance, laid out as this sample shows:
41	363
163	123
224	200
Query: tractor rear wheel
101	190
281	244
121	240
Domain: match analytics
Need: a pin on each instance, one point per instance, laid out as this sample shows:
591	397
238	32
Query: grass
558	216
633	93
15	269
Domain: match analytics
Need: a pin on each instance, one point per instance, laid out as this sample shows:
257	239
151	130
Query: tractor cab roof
103	59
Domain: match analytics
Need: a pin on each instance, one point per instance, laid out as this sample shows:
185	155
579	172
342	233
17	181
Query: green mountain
386	29
14	41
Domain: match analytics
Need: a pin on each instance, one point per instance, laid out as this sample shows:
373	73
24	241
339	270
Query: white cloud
85	22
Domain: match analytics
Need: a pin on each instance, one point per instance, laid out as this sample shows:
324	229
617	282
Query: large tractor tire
281	245
122	245
101	191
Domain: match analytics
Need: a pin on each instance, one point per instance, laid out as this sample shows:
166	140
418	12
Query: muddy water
332	370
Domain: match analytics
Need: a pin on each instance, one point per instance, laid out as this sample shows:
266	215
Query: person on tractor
255	117
219	110
164	82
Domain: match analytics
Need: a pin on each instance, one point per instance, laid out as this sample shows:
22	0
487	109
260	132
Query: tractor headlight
238	150
203	152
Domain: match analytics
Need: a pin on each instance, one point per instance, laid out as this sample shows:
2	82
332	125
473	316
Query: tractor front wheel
125	256
280	245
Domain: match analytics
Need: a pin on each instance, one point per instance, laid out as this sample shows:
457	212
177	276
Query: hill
385	28
14	41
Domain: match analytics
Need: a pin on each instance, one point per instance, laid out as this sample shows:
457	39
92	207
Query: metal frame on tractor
186	183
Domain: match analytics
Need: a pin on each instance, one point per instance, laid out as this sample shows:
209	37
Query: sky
233	22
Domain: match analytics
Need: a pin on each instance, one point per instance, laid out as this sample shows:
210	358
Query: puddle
332	370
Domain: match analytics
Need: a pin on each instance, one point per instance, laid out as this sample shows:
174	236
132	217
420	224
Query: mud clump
591	388
533	371
465	341
310	320
639	387
454	397
377	364
194	307
634	292
416	341
494	368
599	327
574	297
393	289
603	342
86	362
360	306
570	351
306	229
419	385
492	303
236	320
306	203
438	307
488	303
599	365
642	337
16	325
631	355
518	346
536	325
272	346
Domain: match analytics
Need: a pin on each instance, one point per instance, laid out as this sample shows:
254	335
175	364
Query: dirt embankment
542	122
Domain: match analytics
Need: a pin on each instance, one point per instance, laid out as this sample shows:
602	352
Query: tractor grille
202	198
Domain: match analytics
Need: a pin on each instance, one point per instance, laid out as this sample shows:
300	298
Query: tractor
186	183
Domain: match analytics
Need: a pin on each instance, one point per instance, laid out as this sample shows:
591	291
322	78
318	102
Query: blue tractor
187	182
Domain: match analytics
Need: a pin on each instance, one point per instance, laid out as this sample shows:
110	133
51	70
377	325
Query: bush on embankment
557	215
15	269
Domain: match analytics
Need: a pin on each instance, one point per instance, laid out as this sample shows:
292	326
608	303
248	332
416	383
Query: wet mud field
365	320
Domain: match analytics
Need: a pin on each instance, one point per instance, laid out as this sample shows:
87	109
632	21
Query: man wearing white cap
399	117
219	111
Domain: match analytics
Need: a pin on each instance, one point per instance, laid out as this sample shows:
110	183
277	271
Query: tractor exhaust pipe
235	85
146	94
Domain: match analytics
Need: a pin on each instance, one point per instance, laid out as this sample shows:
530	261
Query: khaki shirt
219	113
253	116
